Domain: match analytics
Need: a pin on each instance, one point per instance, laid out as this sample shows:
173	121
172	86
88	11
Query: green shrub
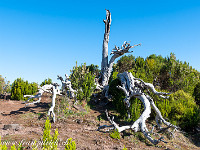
34	146
49	142
167	73
115	134
4	85
83	81
71	145
19	147
181	110
196	93
94	69
125	148
118	96
13	147
2	147
46	81
19	88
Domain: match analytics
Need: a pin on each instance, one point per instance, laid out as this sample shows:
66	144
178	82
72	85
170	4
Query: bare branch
124	49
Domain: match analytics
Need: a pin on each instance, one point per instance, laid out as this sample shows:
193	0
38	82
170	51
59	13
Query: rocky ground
25	124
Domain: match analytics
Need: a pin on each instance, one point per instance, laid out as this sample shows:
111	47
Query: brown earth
81	127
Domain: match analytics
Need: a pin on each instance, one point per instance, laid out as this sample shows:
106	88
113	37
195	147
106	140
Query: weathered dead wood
67	86
134	87
106	67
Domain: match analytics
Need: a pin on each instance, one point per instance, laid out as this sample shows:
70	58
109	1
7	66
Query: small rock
11	126
28	147
79	121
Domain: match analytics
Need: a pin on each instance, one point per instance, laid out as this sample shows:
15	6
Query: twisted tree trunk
134	87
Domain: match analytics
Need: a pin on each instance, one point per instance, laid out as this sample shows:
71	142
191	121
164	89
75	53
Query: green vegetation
4	85
196	93
71	145
125	148
13	147
83	81
167	74
181	110
115	134
49	142
118	97
19	88
2	147
34	146
46	81
64	108
93	69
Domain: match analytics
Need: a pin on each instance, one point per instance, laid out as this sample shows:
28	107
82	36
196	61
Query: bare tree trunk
104	63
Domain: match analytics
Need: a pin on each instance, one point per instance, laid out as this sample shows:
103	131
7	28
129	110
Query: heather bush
49	142
181	110
19	88
118	97
46	81
4	85
115	134
71	145
83	81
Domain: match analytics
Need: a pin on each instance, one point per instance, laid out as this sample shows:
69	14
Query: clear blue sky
45	38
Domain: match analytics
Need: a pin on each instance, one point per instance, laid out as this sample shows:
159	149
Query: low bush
19	88
83	81
180	109
71	145
13	147
115	134
49	142
46	81
4	85
118	96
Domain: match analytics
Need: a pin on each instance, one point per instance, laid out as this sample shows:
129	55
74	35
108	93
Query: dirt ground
81	127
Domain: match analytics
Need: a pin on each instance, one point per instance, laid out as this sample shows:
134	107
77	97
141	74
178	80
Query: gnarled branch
133	87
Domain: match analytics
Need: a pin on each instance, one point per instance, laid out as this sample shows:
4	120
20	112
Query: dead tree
51	88
106	66
55	91
131	86
67	86
41	90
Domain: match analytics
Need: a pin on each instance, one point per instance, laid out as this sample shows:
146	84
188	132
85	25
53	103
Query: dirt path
81	128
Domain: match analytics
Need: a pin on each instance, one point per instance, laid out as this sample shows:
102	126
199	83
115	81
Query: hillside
80	124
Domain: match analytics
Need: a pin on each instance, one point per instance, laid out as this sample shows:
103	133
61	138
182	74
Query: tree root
132	86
